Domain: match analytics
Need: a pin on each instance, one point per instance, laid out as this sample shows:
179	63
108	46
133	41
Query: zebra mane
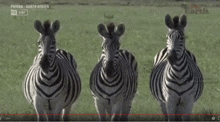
111	27
47	27
176	21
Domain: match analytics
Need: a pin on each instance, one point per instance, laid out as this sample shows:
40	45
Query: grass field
145	35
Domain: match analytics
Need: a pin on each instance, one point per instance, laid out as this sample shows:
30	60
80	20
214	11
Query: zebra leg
66	111
171	108
55	108
100	108
54	115
186	107
58	111
164	110
109	110
50	115
116	111
39	107
126	107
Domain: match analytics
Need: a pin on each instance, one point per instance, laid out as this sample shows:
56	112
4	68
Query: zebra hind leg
164	110
101	109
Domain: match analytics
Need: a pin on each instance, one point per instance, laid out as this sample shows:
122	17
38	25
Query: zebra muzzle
109	68
172	56
44	63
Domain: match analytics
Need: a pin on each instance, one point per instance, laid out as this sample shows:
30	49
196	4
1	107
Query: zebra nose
172	53
172	56
109	68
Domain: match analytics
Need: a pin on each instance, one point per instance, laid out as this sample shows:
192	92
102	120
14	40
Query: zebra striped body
176	80
184	79
53	87
113	81
61	80
122	85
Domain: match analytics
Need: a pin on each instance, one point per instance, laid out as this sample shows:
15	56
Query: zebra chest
49	85
177	83
111	87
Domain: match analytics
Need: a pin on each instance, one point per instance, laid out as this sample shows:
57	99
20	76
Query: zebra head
110	46
176	37
47	42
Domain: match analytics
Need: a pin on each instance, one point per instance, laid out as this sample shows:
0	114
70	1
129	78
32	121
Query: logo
14	13
19	12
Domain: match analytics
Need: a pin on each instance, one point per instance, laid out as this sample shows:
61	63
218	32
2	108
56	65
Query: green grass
144	37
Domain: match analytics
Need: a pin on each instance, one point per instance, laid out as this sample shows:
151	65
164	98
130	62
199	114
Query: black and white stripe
113	81
52	83
176	80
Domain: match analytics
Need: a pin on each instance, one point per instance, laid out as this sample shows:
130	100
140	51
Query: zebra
113	81
176	81
52	83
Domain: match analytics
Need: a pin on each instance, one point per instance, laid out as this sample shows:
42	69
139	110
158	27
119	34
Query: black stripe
49	95
180	93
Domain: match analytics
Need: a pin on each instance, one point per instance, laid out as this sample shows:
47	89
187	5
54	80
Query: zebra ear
182	21
169	22
38	26
102	30
120	30
56	26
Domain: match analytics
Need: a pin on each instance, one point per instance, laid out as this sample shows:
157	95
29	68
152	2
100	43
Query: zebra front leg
116	111
39	108
186	107
66	111
53	115
100	108
55	108
126	110
164	110
40	115
171	106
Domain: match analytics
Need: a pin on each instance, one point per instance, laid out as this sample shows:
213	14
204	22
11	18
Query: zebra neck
110	78
46	64
109	68
53	71
179	70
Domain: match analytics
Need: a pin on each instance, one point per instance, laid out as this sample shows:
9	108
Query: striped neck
179	69
52	76
110	67
47	62
110	78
